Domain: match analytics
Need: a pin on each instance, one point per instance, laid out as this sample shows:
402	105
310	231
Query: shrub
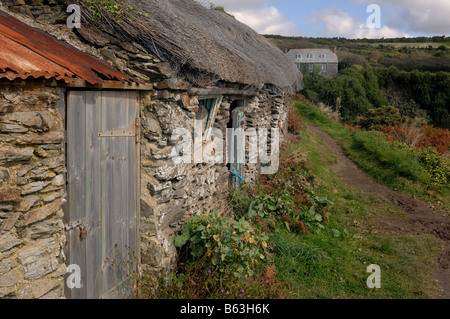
420	136
437	166
294	120
222	244
382	116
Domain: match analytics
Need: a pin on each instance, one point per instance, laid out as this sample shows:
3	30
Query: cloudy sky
342	18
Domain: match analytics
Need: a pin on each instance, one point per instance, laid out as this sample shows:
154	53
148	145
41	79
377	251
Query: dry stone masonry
32	156
32	169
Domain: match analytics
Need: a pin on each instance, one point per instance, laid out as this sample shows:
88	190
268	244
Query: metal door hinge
129	131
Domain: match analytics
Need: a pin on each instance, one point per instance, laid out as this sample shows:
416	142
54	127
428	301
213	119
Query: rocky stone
170	171
48	138
151	125
172	117
108	54
34	187
153	253
44	229
20	181
93	35
147	211
27	202
37	121
6	207
41	213
37	289
165	196
9	279
173	84
8	194
10	154
5	174
53	162
12	128
58	180
180	194
8	241
185	100
23	169
9	223
161	153
6	266
128	47
56	293
170	213
178	184
15	2
38	9
22	9
156	187
40	174
39	258
50	197
163	95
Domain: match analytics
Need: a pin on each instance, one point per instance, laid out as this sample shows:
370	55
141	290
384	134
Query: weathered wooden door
102	190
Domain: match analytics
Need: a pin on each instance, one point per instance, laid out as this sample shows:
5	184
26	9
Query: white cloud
432	16
338	23
256	14
267	20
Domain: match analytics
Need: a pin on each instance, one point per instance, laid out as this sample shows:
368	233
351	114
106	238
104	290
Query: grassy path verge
332	263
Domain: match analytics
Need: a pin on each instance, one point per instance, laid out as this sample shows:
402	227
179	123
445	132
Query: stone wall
170	193
31	194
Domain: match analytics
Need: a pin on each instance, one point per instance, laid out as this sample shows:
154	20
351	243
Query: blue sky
344	18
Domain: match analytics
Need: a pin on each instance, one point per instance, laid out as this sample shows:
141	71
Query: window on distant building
299	56
324	66
311	66
309	56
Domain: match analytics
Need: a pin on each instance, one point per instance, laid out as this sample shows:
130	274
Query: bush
294	120
222	244
379	117
437	166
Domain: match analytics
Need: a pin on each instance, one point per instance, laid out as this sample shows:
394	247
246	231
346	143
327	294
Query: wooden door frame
65	207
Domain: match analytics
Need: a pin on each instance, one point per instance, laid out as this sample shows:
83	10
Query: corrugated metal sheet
29	52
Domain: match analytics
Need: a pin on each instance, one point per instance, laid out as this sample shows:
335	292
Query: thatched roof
198	39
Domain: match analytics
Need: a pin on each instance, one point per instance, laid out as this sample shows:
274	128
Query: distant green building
322	61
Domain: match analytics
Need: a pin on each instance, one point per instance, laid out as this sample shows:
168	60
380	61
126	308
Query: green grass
392	164
332	263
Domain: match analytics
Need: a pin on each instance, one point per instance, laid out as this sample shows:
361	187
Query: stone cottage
88	134
308	60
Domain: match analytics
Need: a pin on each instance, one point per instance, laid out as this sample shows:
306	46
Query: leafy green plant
223	244
437	166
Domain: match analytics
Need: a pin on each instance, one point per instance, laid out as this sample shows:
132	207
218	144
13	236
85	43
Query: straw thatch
200	40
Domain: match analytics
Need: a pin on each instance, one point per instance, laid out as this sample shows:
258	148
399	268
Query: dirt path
420	218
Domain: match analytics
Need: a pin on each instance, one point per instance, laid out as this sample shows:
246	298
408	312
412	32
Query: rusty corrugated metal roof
28	52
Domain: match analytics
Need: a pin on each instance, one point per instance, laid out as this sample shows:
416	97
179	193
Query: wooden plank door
102	191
